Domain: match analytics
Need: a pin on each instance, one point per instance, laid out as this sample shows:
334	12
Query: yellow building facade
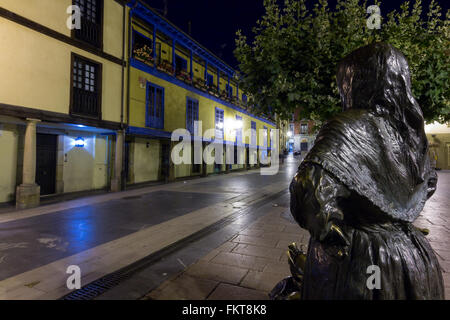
88	99
62	96
174	81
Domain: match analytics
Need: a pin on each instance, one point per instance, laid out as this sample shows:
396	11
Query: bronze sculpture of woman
363	184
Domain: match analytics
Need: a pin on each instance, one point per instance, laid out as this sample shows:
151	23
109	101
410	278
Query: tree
292	60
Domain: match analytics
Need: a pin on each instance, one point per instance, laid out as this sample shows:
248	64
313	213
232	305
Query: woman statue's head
376	77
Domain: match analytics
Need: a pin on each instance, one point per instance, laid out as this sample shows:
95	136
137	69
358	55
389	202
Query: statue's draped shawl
377	147
366	154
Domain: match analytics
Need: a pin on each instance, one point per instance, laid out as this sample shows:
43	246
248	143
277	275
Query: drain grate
98	287
101	285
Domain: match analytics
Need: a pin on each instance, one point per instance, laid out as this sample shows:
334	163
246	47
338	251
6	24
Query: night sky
214	22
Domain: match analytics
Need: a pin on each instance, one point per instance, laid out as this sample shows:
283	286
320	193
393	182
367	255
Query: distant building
303	133
439	144
175	81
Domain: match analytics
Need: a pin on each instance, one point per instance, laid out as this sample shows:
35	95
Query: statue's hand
335	241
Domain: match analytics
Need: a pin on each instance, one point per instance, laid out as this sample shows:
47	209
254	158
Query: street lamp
79	142
232	124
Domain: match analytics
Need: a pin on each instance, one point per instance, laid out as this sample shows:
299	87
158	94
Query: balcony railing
85	103
183	75
199	83
89	32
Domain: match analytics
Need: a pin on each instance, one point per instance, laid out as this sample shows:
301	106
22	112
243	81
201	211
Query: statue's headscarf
377	147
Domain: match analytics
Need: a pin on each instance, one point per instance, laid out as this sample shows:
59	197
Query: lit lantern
79	142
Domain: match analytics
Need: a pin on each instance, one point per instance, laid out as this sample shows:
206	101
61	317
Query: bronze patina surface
362	185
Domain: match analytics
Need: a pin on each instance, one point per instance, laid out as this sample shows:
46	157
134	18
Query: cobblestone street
250	264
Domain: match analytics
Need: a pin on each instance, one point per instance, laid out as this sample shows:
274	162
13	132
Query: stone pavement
105	233
245	267
436	217
248	265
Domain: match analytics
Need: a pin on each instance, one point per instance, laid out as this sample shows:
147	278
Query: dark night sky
214	22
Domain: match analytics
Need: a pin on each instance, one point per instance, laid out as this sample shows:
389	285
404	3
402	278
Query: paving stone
229	292
265	252
278	267
267	227
278	220
257	241
252	232
443	253
184	288
293	229
241	260
227	246
445	265
264	281
283	236
283	244
217	272
210	255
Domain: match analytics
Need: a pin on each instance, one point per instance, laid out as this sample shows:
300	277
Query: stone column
171	164
204	165
28	193
60	158
116	182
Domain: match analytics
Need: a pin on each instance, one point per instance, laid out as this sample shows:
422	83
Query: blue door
155	107
304	146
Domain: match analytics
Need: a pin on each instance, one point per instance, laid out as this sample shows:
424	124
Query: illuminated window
304	128
219	123
253	133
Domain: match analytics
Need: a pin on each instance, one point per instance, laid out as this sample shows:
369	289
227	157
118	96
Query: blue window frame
191	113
180	63
239	131
209	79
139	41
253	137
154	106
229	90
219	123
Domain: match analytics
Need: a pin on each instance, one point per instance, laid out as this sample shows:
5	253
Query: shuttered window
91	21
86	91
191	114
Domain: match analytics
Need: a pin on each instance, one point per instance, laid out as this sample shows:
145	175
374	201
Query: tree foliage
292	60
